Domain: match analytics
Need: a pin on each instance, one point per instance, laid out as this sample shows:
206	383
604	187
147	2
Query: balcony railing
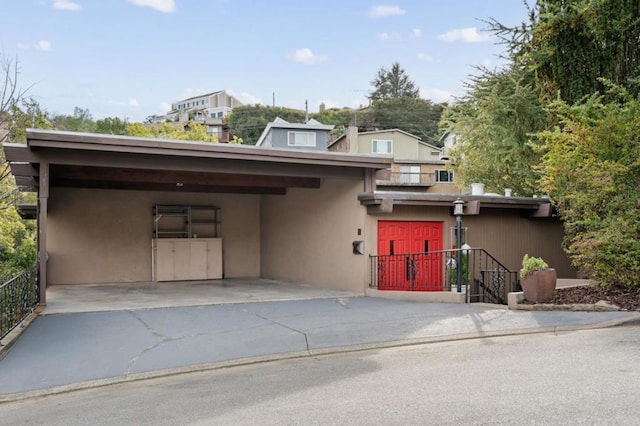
409	179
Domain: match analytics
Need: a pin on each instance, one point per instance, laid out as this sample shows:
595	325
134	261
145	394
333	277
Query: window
381	146
409	174
444	175
220	114
301	139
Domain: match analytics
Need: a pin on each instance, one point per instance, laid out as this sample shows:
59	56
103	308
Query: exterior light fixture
458	211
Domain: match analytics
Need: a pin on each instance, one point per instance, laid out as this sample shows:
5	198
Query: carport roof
121	162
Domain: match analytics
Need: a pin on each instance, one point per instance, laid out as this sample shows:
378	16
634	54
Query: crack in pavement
163	339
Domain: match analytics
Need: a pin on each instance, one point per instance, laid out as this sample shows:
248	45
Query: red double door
404	259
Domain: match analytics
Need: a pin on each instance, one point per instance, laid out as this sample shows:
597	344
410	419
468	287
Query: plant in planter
538	281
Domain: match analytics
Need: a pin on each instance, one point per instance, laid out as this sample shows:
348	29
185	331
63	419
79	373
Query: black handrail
484	278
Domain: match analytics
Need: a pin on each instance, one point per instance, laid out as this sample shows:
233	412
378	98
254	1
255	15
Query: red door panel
402	262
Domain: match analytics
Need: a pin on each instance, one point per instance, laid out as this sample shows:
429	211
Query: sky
133	58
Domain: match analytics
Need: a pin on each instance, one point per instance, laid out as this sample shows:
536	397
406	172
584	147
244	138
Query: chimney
352	139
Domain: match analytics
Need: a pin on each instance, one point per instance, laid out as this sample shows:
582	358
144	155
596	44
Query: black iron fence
472	271
19	296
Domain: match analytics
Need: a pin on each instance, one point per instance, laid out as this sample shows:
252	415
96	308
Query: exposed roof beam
172	177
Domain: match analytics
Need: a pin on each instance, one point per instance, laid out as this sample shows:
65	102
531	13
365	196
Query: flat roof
98	160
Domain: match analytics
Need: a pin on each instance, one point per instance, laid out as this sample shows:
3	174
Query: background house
209	109
417	165
311	135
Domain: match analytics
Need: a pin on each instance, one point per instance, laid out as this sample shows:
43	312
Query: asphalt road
579	377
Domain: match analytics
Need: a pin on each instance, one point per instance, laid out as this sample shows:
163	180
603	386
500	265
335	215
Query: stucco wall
307	236
102	236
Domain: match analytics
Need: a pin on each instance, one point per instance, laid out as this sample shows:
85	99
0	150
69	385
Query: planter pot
539	286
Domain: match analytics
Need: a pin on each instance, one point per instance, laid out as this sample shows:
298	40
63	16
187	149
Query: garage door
404	261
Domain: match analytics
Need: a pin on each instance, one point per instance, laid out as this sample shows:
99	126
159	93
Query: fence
19	296
482	277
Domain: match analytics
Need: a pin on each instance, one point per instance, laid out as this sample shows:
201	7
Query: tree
592	172
572	44
493	124
17	237
413	115
192	132
111	126
248	121
80	121
392	84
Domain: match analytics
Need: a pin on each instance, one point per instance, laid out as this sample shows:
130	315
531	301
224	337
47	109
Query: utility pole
306	111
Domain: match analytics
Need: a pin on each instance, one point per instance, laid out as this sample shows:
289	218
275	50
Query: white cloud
466	35
131	103
66	5
437	95
486	62
245	98
165	107
416	33
425	57
383	11
164	6
44	45
306	56
385	36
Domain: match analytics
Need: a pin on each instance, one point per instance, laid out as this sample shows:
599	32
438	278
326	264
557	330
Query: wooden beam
43	197
543	210
175	178
26	181
19	153
166	187
23	169
385	207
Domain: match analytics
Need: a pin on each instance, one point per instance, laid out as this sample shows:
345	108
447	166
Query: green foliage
28	114
572	44
80	121
392	84
493	124
413	115
531	264
592	172
248	121
340	118
111	126
192	132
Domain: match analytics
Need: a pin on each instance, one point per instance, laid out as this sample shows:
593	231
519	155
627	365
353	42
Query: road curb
632	319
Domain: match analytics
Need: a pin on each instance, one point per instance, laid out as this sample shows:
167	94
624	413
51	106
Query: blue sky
132	58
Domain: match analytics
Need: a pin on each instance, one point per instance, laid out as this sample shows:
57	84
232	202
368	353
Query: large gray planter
539	286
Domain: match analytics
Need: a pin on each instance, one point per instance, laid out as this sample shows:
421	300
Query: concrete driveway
128	296
64	351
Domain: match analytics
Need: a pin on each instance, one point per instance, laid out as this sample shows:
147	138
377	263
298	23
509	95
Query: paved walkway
59	352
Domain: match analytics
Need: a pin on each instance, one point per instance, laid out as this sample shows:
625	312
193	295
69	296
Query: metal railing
19	296
483	278
409	179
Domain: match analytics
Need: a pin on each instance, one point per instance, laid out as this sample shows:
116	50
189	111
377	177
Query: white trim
375	142
292	132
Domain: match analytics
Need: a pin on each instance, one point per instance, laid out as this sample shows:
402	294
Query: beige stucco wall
103	236
307	236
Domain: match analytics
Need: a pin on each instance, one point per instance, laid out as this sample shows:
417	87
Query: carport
284	215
